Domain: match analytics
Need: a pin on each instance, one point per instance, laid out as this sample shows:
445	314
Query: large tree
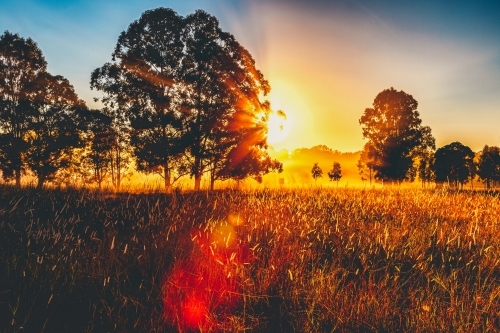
454	163
21	62
56	127
182	84
141	86
223	89
393	128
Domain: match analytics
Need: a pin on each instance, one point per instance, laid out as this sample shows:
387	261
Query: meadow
303	260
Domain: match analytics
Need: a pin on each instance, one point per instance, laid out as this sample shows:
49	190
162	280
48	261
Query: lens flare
202	290
194	313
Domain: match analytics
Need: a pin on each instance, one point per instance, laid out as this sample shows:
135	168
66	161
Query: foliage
56	126
98	157
316	171
139	88
366	163
336	173
489	165
21	61
393	128
338	260
454	163
255	163
190	91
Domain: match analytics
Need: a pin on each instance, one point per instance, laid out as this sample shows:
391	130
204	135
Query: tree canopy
489	165
454	163
394	132
335	173
316	171
40	114
21	62
191	94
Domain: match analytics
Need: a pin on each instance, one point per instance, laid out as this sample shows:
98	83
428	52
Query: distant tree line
181	98
400	149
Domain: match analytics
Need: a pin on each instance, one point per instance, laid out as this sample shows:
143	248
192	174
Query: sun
278	127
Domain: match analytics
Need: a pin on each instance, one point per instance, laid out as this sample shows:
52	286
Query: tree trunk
167	178
18	177
197	173
197	181
41	180
212	180
118	171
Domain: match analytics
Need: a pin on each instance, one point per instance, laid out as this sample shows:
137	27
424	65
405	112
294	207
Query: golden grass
340	260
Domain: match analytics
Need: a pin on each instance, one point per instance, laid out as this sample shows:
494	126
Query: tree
56	127
454	163
183	84
366	163
424	155
255	164
393	128
336	173
140	86
98	157
21	61
316	172
424	168
489	165
223	90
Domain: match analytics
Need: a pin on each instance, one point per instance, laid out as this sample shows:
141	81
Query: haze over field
325	61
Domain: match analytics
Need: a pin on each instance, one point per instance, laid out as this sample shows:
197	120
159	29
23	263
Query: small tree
336	173
425	172
489	165
255	164
454	163
97	160
316	172
367	162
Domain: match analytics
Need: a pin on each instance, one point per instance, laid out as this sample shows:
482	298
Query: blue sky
325	60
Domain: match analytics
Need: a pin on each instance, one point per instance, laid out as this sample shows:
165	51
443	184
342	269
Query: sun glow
278	127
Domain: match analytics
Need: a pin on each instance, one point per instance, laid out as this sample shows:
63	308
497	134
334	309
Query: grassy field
344	260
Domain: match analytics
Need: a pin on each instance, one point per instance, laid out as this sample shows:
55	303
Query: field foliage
338	260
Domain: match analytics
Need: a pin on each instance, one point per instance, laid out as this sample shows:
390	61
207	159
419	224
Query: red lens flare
202	291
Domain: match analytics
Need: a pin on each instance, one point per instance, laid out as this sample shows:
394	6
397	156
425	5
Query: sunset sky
325	60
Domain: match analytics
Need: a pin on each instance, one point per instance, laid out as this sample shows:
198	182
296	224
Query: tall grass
343	260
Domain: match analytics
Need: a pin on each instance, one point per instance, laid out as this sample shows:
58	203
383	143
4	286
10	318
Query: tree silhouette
222	95
424	168
424	155
254	164
140	86
366	163
489	165
56	126
394	130
316	172
335	173
98	157
190	93
454	163
21	61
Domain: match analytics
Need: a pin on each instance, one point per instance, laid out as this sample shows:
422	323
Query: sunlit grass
336	260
